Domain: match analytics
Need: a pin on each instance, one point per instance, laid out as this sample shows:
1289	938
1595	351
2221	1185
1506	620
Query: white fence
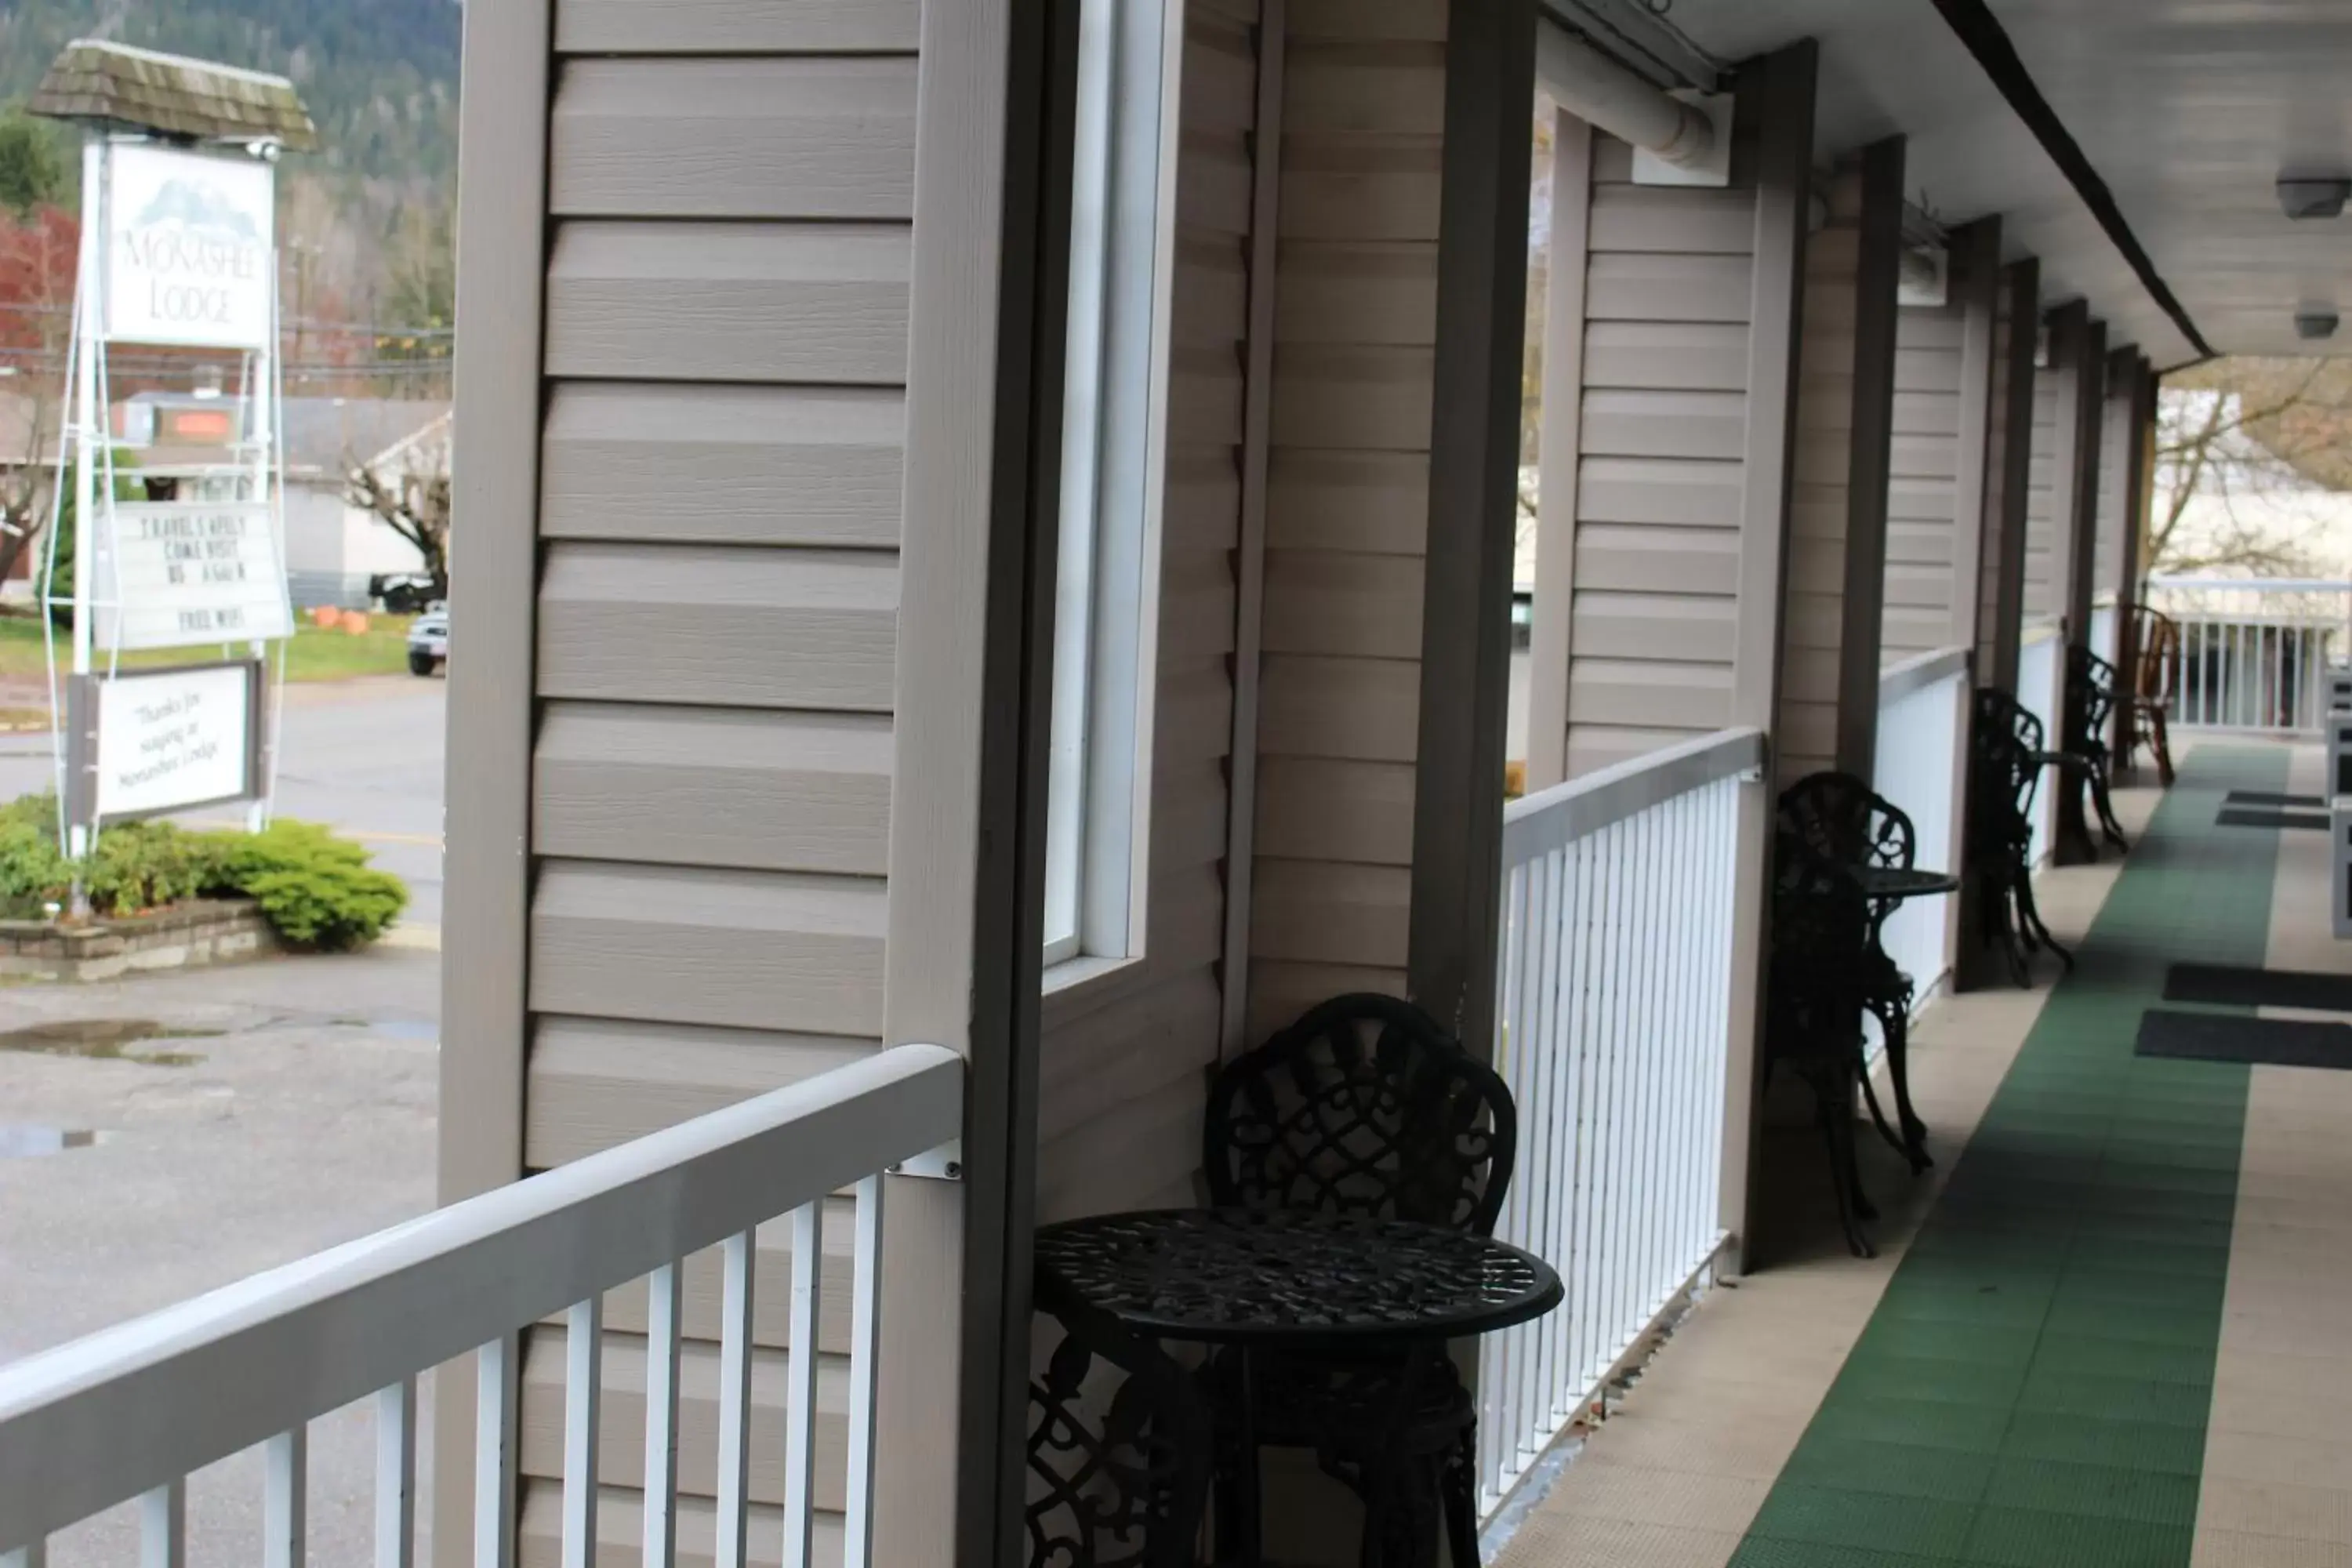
1922	737
2041	690
1613	1025
2253	654
130	1412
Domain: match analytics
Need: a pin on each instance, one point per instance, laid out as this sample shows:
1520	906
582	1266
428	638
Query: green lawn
337	655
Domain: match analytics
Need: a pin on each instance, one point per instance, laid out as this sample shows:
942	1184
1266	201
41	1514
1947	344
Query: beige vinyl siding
1923	488
1661	475
1820	500
723	458
1347	502
2048	492
1121	1057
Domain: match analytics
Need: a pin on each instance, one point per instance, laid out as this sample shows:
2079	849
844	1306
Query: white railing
130	1412
2041	690
1922	742
1613	1029
2252	654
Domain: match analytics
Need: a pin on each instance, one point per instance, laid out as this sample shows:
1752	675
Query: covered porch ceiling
2188	110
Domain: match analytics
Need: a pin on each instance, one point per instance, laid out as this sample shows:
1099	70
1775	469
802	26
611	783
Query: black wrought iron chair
1814	998
2007	751
2091	691
1835	817
1366	1106
1119	1443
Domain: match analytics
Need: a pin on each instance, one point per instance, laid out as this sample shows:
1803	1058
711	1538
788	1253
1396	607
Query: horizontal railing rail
131	1411
1585	805
1905	676
1613	1034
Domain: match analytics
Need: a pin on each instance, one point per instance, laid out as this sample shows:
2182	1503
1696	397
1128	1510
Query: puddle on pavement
20	1142
107	1040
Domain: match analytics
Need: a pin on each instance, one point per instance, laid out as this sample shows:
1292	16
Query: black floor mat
2272	797
2268	1042
2227	985
2249	816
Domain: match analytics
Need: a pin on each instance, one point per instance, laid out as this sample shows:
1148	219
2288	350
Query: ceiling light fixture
2304	198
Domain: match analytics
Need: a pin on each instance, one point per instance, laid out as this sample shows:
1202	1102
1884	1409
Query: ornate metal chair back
1821	931
2091	684
1119	1446
1364	1106
1837	817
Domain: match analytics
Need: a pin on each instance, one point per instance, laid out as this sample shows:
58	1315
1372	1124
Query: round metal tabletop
1225	1276
1893	883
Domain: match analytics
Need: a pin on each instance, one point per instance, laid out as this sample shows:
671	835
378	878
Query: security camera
2314	324
2303	197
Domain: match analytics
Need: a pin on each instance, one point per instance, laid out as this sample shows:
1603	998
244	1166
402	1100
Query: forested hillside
379	75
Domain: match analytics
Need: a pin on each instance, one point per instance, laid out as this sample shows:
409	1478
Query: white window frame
1114	426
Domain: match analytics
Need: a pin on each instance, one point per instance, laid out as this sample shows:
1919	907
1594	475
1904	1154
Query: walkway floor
2107	1330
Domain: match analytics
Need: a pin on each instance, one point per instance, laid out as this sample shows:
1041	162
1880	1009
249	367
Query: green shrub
32	872
315	891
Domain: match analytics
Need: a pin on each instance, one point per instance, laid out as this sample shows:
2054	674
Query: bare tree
2241	446
407	489
37	259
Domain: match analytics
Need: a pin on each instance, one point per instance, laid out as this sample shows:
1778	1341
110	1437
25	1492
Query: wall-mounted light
2304	197
2315	323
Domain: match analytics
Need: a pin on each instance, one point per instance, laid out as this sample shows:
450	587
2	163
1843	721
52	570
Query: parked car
429	640
404	592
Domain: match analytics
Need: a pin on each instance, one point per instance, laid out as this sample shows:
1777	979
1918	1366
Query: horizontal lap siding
1347	502
1923	489
721	474
1660	469
1121	1061
2047	492
1812	621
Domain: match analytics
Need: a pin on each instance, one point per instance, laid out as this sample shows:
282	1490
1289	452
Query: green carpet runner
2032	1389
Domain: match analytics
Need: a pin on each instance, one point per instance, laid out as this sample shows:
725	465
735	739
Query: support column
2085	352
2000	353
2137	478
1482	290
1828	709
1776	118
2009	469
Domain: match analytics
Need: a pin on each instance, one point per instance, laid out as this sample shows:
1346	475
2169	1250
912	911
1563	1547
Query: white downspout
1597	90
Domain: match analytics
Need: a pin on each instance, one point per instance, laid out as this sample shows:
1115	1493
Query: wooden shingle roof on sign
172	95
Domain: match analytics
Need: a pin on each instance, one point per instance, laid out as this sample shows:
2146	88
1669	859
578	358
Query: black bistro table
1892	884
1274	1282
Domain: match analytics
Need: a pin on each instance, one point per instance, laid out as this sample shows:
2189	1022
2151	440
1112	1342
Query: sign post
178	250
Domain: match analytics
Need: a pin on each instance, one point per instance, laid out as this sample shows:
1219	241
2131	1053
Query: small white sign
180	574
190	247
174	738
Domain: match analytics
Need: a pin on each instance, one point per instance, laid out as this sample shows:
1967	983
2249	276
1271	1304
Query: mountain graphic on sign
197	207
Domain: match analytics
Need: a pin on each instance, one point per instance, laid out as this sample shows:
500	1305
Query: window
1106	602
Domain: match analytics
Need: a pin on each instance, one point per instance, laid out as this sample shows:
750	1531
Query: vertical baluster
495	1370
1639	953
1586	1252
395	1476
1529	1396
800	1383
663	1303
164	1526
1541	1159
865	1331
735	1399
1609	1183
1491	1360
285	1497
1567	1048
1729	812
1663	1044
1497	1432
584	1400
1681	984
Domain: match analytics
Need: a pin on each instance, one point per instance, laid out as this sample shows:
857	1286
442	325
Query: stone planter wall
182	937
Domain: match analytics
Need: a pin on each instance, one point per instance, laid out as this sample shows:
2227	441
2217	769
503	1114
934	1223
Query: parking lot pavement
218	1122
